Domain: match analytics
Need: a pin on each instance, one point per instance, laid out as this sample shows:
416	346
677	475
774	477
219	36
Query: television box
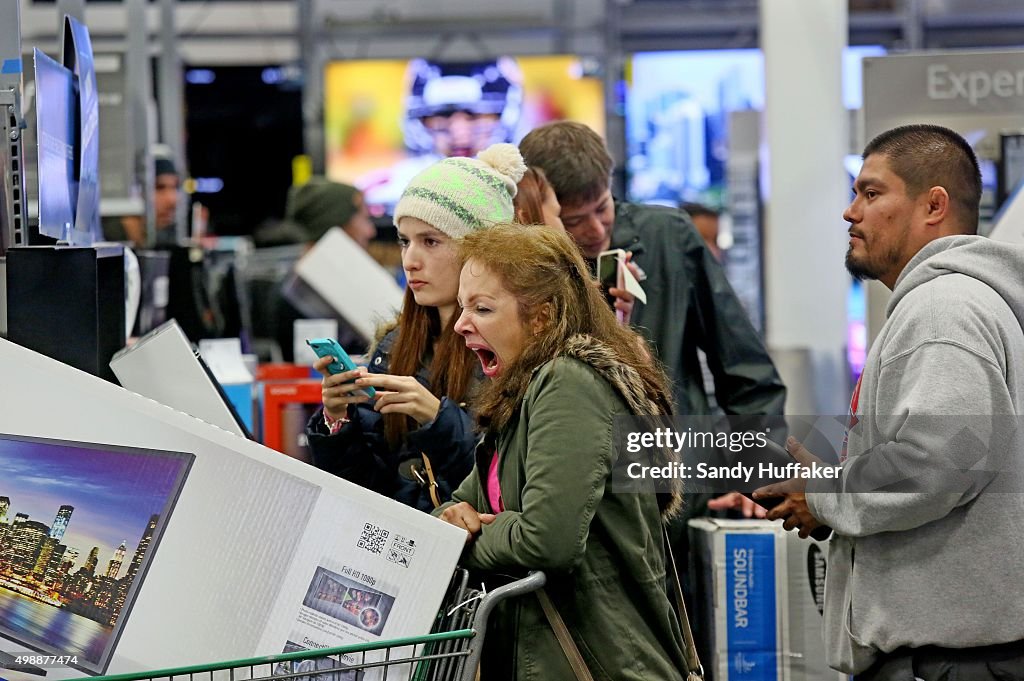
252	557
164	366
362	292
758	597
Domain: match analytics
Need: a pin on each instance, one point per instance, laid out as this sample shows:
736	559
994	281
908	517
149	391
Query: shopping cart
451	652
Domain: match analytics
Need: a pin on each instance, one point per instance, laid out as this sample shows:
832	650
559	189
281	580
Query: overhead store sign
976	87
938	85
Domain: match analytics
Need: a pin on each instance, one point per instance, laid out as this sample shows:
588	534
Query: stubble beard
867	267
858	269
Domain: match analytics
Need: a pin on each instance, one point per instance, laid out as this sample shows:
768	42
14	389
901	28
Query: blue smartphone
328	347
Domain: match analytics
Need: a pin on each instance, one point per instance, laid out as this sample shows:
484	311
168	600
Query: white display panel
247	535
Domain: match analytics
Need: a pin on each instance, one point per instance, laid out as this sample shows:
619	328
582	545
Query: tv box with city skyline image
79	525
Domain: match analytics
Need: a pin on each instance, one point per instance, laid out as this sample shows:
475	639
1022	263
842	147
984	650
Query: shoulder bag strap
572	653
696	671
431	480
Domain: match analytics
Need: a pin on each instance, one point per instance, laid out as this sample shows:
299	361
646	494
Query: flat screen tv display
79	525
677	116
385	120
677	107
77	56
56	132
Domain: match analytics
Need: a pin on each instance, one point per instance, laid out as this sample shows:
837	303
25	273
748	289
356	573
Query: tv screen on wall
677	109
386	120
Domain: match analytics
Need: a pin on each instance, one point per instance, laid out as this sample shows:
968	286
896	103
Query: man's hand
793	509
465	516
401	395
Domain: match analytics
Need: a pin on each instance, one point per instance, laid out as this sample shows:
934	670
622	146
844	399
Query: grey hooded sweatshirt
940	560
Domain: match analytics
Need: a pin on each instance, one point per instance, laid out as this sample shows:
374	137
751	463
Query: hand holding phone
610	265
616	272
328	347
609	268
821	532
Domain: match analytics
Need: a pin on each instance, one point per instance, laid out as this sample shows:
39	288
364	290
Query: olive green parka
602	550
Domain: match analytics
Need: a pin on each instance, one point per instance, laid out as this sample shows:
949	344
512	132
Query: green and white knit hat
459	195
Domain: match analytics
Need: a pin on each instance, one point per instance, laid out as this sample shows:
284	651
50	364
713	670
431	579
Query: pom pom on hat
506	159
459	195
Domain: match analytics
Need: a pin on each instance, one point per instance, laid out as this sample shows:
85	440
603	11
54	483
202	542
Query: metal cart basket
451	652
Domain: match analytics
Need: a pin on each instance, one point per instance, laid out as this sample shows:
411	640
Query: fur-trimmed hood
623	378
627	382
383	336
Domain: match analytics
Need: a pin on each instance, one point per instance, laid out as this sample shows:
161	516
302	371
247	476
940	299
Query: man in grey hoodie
925	561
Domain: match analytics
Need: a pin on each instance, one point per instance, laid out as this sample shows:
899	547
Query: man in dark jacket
690	303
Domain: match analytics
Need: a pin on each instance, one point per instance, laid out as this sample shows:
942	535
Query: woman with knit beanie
414	440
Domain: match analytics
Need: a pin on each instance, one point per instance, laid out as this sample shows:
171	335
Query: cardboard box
758	594
250	553
164	366
344	275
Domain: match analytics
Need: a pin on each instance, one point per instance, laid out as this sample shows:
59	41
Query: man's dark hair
574	158
926	156
696	210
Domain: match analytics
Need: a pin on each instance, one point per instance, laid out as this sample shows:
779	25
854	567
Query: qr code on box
373	538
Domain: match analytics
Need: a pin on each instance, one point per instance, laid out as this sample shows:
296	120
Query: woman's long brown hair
542	266
529	200
451	369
